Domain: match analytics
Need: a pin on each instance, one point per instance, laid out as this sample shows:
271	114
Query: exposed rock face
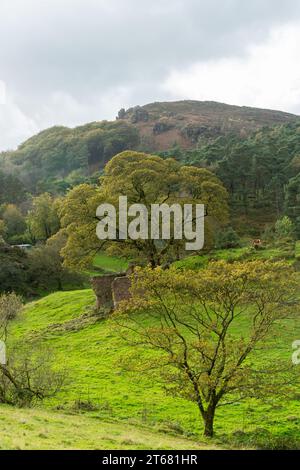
162	126
186	123
139	114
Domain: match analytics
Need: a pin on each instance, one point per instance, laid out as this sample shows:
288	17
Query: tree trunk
208	417
59	284
153	261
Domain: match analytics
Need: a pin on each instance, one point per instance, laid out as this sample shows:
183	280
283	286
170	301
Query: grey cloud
90	48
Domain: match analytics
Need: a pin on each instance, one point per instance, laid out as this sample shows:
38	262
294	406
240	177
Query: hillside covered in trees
60	157
261	172
254	152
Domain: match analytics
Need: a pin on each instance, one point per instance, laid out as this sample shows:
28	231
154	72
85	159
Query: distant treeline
59	158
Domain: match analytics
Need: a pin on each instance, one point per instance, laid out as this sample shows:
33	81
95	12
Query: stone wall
120	289
102	286
111	289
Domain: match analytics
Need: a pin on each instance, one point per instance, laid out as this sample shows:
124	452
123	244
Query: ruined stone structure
120	289
111	289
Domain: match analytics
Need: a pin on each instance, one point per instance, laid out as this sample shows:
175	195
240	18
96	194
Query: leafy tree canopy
145	179
206	327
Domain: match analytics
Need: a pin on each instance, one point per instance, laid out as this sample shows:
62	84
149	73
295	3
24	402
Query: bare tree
30	376
10	306
30	372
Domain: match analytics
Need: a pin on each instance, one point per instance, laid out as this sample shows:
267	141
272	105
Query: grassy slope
107	264
42	429
110	263
123	413
92	354
236	254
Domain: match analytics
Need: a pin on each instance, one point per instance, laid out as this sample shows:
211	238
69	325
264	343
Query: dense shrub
227	238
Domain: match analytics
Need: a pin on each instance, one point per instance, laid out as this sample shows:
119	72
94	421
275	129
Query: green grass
40	314
92	353
42	429
105	264
200	261
237	254
110	263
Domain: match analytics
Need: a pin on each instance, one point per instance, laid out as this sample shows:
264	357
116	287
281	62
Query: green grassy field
92	351
239	254
43	429
110	263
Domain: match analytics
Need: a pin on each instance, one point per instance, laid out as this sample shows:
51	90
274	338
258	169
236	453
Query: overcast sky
68	62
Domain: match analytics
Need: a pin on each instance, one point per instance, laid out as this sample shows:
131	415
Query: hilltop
185	123
60	157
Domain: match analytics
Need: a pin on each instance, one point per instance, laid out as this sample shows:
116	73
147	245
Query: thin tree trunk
59	284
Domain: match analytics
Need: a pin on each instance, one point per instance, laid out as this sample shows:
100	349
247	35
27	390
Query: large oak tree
144	179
